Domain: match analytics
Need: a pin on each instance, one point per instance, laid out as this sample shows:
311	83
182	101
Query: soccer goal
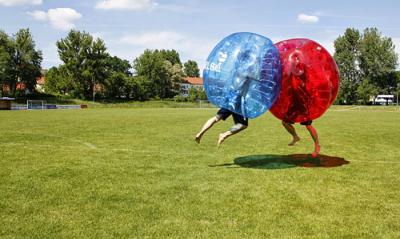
36	104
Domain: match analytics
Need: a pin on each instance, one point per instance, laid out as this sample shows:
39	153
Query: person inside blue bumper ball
240	123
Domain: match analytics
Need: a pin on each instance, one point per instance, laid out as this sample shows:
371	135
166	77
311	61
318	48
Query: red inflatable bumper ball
310	81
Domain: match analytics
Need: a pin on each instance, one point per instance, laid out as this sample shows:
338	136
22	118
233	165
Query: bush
180	98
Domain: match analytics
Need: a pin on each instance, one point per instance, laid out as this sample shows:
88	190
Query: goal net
36	104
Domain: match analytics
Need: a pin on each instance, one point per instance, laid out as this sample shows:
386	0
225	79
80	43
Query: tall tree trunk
13	88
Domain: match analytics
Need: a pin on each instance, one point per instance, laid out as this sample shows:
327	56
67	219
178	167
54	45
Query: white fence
47	106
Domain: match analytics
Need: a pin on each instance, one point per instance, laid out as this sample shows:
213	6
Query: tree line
20	62
89	71
366	60
367	63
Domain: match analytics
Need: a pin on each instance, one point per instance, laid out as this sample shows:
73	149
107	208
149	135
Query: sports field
137	173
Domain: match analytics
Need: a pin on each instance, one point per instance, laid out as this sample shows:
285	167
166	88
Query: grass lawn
137	173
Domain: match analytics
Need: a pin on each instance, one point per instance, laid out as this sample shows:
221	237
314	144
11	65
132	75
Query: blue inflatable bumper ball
243	74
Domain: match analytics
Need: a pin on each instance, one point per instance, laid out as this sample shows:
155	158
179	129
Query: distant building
190	82
5	103
19	87
40	81
40	84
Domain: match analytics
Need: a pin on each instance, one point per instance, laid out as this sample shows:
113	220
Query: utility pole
398	89
94	89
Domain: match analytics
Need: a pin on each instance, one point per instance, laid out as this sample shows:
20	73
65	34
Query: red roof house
190	82
194	80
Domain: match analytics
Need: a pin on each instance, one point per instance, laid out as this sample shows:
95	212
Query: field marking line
90	145
27	144
349	109
87	144
149	151
366	109
380	111
383	162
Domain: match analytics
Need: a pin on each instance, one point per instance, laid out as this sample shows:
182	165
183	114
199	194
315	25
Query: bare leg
224	136
234	130
292	131
314	136
206	126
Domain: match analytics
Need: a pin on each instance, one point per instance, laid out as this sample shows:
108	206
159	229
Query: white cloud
396	42
155	40
189	47
20	2
59	18
63	18
39	15
304	18
126	4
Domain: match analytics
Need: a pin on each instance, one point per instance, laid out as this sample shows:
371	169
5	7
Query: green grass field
137	173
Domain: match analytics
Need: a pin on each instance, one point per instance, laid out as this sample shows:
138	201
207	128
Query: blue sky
194	27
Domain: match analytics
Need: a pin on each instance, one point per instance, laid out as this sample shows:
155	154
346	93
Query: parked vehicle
384	100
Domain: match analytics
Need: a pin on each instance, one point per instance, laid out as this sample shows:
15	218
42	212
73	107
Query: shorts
238	119
302	123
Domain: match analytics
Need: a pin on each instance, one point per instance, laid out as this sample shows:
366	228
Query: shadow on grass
285	161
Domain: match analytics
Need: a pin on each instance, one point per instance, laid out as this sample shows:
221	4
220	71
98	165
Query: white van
384	99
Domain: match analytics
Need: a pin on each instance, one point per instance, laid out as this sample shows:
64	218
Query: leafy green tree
6	64
140	88
175	74
170	55
378	60
369	57
397	92
366	91
116	85
192	94
156	67
346	56
151	66
116	64
4	59
202	95
85	60
196	94
73	51
20	62
97	63
27	60
191	69
58	81
118	81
